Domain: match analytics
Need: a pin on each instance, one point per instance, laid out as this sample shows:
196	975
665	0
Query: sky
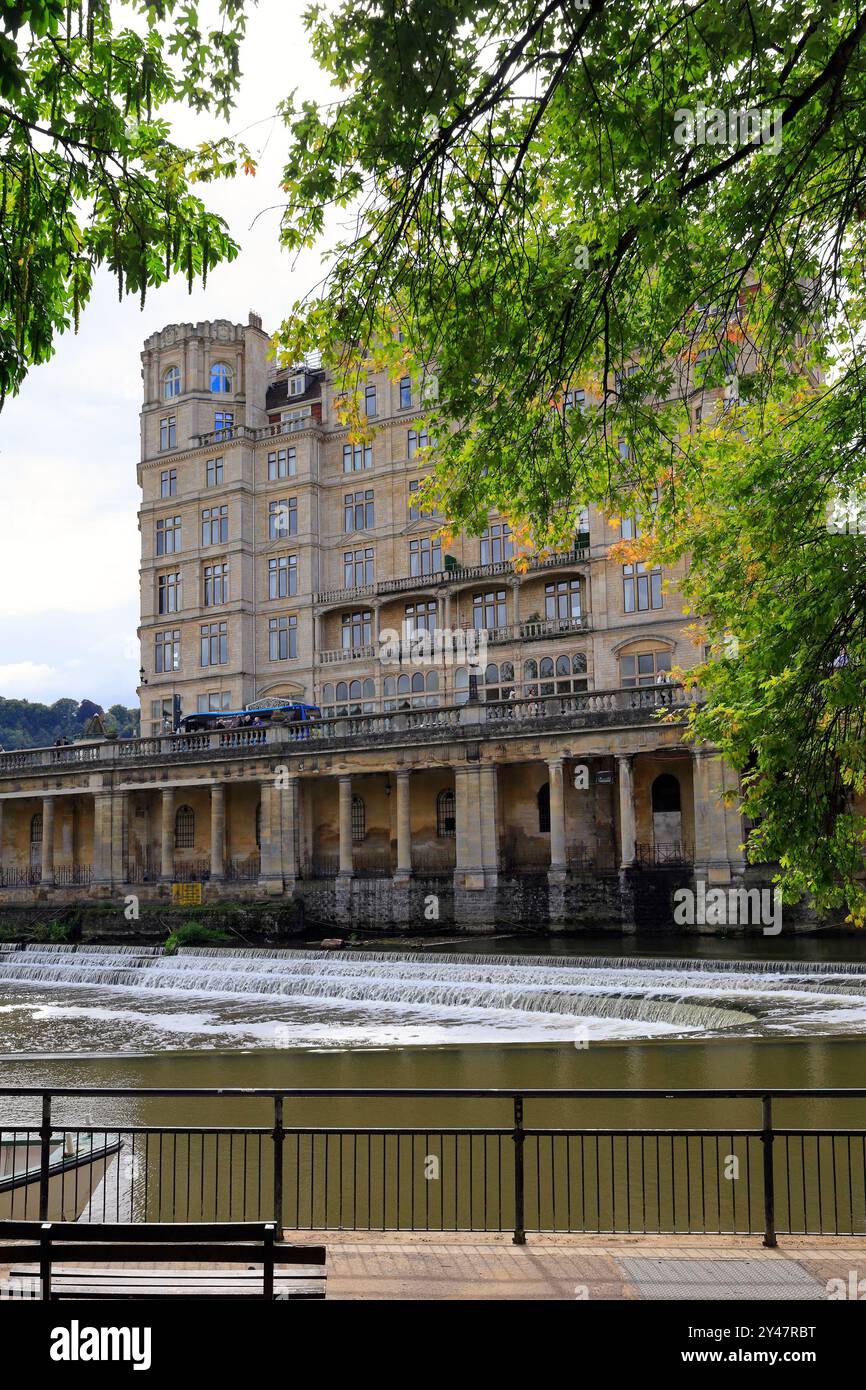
69	442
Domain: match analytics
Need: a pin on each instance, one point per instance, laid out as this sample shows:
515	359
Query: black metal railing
17	877
530	1162
246	870
662	853
78	875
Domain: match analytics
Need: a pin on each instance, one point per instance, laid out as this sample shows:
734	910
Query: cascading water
137	997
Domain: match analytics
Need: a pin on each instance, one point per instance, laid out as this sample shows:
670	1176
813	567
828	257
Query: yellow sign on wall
186	894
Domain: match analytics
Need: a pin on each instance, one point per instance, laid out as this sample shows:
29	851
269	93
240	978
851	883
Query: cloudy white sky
69	542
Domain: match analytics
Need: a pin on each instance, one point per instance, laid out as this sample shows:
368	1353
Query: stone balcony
462	574
253	436
453	640
597	709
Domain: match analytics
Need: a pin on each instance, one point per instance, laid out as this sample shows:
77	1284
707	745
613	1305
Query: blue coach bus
290	714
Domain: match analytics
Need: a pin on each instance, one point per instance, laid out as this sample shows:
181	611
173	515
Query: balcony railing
571	709
463	574
452	642
252	436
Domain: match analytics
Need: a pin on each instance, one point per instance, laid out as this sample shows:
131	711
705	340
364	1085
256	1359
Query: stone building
276	555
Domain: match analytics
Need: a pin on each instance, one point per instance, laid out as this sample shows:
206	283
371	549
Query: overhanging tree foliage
629	199
88	172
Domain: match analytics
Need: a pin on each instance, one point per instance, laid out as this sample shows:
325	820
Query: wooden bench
251	1243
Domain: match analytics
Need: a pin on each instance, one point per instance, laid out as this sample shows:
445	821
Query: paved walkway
436	1266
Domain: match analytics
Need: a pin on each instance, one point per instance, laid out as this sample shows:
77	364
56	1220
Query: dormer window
220	379
171	383
297	384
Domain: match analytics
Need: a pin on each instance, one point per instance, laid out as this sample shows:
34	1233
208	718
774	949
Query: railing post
268	1262
45	1262
519	1140
44	1156
769	1191
278	1165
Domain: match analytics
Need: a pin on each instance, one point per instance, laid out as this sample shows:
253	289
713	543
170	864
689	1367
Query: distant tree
89	175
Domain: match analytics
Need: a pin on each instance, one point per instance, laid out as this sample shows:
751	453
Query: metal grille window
168	593
543	800
488	610
282	518
166	651
418	439
214	644
359	819
167	432
357	457
168	483
358	567
420	617
405	392
36	831
224	423
562	600
358	513
171	383
184	828
445	815
168	535
213	472
643	668
282	463
496	543
283	637
282	576
216	585
357	630
642	587
215	525
425	555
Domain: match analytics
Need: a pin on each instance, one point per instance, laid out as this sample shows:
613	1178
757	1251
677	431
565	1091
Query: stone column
711	829
271	870
120	847
166	870
47	841
287	797
625	768
557	816
100	873
469	871
346	827
217	831
404	825
2	805
489	797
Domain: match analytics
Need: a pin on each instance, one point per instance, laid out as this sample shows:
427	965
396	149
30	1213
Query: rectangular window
282	576
414	509
370	402
574	400
167	432
644	668
168	535
357	567
496	544
224	423
425	555
283	637
213	472
357	630
169	593
562	600
357	457
642	587
282	463
162	715
215	525
214	701
488	611
358	510
420	617
168	483
418	439
216	585
282	518
166	651
405	392
214	644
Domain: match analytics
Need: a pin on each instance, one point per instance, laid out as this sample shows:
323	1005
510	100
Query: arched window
545	671
461	685
220	379
404	689
666	794
342	697
530	678
432	688
578	667
171	383
544	809
359	819
418	688
36	838
259	826
184	828
328	697
389	690
445	822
